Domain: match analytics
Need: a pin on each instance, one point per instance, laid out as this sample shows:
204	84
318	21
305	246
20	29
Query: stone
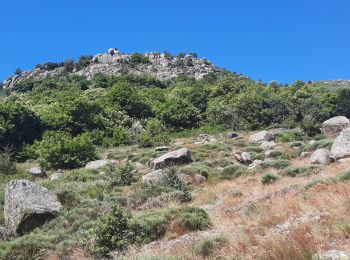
255	164
341	145
305	154
56	176
332	255
267	145
178	157
99	164
154	178
205	139
321	156
232	135
162	149
246	158
28	206
37	172
235	192
139	166
261	136
335	125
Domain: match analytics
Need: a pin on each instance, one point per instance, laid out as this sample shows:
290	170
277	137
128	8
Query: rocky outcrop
178	157
321	156
28	206
255	164
99	164
113	62
261	137
265	145
335	125
341	145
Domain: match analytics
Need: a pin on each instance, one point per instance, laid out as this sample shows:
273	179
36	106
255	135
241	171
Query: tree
180	114
20	125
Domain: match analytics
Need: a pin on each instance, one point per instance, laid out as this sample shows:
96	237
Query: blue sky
264	39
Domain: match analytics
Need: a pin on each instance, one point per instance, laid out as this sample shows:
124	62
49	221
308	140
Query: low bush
269	178
68	198
277	164
292	136
206	247
301	170
233	171
323	143
113	231
122	176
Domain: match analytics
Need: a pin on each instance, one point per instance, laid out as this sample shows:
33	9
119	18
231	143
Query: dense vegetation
37	114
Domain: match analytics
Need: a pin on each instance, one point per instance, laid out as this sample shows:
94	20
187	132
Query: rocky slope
162	66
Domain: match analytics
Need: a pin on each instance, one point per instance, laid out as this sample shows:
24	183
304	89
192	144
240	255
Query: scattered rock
332	255
261	136
28	205
305	154
99	164
246	158
205	139
267	145
321	156
37	172
232	135
255	164
154	178
235	192
162	149
335	125
56	176
312	142
139	166
181	156
341	146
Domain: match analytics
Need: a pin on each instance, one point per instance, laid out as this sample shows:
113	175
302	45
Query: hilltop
162	66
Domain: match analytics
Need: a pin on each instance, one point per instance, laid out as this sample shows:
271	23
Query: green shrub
192	218
150	225
323	143
113	232
206	246
344	176
269	178
292	136
81	175
277	164
61	150
304	170
155	134
122	176
173	180
7	166
233	171
68	198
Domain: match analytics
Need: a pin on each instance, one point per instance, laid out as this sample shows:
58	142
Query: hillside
158	156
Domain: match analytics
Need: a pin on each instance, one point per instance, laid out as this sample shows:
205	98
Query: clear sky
282	40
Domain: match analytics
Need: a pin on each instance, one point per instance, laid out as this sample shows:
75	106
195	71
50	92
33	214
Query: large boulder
154	178
335	125
341	145
99	164
321	156
28	206
181	156
261	137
